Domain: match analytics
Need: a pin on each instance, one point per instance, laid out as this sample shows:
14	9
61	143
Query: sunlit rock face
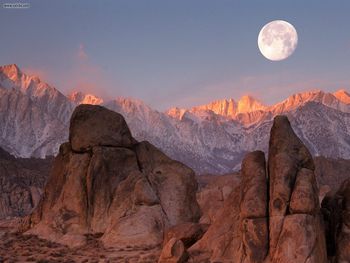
343	96
105	182
220	107
81	98
231	108
33	115
43	95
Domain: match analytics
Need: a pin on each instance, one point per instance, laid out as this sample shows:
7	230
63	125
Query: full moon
277	40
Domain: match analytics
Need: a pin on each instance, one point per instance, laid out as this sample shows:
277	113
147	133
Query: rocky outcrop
188	233
331	172
228	238
336	211
103	181
253	209
21	184
173	252
274	215
294	217
95	126
213	192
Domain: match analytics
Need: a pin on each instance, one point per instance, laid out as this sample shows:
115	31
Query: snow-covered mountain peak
249	104
343	96
34	121
10	71
248	110
225	107
80	98
44	96
299	99
176	113
129	106
131	102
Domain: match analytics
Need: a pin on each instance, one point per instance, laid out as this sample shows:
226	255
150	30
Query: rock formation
295	231
105	182
336	211
106	186
274	215
174	252
213	192
21	184
331	172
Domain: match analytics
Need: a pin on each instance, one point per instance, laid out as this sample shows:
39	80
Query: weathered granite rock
240	232
93	125
189	233
274	216
213	193
105	182
173	252
21	183
253	208
287	154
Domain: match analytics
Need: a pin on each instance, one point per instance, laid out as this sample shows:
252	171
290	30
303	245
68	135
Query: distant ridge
209	138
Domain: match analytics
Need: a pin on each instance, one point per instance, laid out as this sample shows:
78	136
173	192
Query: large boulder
104	182
274	216
93	125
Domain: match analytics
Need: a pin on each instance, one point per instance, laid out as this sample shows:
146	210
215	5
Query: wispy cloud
81	53
87	76
40	73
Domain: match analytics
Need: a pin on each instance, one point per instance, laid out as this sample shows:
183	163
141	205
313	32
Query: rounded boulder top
93	125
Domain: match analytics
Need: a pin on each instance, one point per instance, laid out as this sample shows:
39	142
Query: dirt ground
16	247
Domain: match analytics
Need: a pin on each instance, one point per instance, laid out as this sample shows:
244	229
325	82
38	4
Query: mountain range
212	138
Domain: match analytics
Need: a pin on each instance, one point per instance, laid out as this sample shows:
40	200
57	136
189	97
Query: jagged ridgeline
212	138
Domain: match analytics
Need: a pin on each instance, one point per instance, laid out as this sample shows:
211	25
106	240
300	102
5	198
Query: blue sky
179	52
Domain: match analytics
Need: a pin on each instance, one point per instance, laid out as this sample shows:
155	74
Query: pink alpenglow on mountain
343	96
211	138
81	98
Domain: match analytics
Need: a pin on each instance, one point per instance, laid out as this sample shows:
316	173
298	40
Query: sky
177	53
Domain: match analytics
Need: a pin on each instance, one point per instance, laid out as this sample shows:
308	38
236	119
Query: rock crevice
274	216
129	191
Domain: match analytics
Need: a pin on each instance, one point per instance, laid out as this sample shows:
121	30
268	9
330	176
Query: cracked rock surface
21	184
105	182
274	215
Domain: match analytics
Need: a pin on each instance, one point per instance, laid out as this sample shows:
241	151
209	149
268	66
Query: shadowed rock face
103	181
93	125
21	183
336	211
273	216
